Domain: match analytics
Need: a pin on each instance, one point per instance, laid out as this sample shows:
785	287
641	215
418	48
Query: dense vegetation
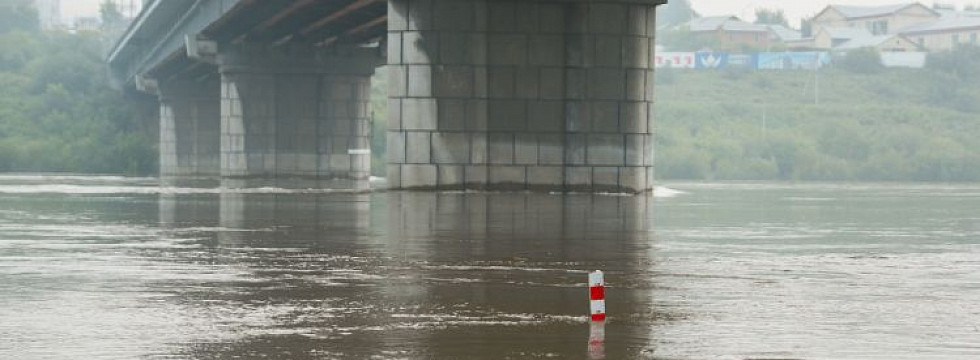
57	111
880	125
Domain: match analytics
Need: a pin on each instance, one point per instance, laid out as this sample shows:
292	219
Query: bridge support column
295	112
521	94
189	127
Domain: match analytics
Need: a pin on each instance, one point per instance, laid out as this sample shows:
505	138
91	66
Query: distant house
878	20
866	26
953	13
708	23
827	38
784	34
730	31
945	34
86	24
882	43
49	13
804	44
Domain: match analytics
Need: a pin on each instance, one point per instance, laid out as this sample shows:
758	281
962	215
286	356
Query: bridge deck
157	37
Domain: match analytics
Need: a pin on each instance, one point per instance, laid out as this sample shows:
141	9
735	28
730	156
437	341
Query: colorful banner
712	60
792	60
741	61
675	60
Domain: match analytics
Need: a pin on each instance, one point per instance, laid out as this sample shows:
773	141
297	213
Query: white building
878	20
911	26
49	14
945	34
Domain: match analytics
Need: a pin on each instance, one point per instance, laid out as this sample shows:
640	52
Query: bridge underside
552	95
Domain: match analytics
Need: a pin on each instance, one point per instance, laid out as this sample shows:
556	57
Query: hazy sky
75	8
795	9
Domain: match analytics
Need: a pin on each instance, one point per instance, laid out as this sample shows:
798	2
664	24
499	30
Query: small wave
69	177
152	190
809	199
499	268
665	192
218	229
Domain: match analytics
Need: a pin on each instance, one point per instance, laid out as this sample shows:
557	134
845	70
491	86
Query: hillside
895	125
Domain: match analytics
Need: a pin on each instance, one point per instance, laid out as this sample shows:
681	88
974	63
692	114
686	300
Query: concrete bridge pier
190	120
295	111
552	95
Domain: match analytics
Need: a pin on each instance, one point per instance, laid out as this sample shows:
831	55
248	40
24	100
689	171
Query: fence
798	60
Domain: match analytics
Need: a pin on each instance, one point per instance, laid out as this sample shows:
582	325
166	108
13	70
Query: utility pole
765	118
816	78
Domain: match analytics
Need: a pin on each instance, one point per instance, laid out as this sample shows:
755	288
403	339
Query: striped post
597	340
597	296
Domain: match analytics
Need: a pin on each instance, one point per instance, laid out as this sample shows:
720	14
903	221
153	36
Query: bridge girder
142	51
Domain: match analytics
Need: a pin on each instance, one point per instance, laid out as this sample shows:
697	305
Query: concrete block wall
247	143
289	115
514	95
345	104
189	128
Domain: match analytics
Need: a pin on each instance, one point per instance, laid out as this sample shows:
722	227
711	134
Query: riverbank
891	126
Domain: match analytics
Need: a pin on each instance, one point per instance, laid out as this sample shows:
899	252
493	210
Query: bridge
552	95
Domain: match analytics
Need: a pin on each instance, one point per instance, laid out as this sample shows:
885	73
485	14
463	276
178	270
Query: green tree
18	48
675	13
806	27
111	16
58	113
954	77
862	61
18	15
771	17
962	62
682	39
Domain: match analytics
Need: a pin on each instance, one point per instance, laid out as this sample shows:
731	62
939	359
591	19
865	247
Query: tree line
57	110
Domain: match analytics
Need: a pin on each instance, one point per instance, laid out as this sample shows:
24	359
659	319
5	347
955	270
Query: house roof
726	23
944	25
784	33
709	23
858	12
946	13
846	33
867	41
738	25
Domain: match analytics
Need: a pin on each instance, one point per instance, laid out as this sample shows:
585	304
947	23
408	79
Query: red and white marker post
597	340
597	296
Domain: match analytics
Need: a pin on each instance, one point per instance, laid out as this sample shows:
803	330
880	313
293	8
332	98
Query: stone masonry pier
515	95
295	112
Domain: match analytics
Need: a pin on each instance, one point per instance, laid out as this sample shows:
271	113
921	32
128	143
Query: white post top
596	278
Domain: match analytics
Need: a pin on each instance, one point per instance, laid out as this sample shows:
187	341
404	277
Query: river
125	268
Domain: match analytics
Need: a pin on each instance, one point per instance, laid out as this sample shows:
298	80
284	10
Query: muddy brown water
122	268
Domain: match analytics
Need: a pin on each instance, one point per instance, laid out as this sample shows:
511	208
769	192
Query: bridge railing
167	23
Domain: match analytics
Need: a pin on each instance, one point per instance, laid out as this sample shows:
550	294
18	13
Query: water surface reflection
439	276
